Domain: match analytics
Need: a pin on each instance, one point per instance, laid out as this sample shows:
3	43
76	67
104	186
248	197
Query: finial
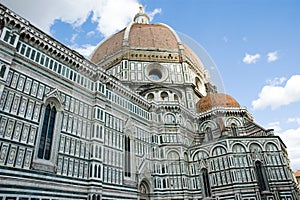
141	8
141	17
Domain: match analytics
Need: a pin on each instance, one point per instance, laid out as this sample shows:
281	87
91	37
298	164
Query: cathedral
140	119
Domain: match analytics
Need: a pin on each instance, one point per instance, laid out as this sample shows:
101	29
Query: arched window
205	183
155	74
164	96
234	130
175	97
209	134
150	96
261	176
45	144
170	119
198	83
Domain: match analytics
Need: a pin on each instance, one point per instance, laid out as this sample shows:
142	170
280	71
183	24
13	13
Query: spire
141	17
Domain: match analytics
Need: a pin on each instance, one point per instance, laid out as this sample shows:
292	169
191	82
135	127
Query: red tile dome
142	41
216	100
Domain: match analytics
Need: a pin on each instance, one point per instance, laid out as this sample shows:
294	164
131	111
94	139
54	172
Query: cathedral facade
139	119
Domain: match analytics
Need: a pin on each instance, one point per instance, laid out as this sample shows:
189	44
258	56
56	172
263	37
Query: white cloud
291	139
272	56
110	15
73	38
275	126
276	81
276	96
154	12
297	120
85	50
251	59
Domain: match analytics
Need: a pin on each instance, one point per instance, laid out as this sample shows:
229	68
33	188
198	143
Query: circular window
156	72
150	96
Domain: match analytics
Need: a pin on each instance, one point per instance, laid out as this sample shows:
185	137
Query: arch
144	190
218	150
173	155
208	123
238	148
47	133
169	118
233	120
198	155
271	146
261	176
255	147
206	190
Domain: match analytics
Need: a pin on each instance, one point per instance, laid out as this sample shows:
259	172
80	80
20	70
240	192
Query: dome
216	100
144	42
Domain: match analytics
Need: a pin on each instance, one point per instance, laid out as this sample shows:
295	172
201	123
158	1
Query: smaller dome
216	100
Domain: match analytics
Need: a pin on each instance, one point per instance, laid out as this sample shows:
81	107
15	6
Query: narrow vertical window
234	130
2	71
205	183
127	157
209	134
45	145
261	176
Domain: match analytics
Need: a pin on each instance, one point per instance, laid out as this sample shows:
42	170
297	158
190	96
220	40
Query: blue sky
255	45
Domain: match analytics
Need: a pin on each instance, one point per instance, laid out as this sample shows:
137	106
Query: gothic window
234	130
144	188
45	144
127	157
206	190
261	176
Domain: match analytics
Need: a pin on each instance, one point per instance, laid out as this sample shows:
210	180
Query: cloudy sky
254	45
